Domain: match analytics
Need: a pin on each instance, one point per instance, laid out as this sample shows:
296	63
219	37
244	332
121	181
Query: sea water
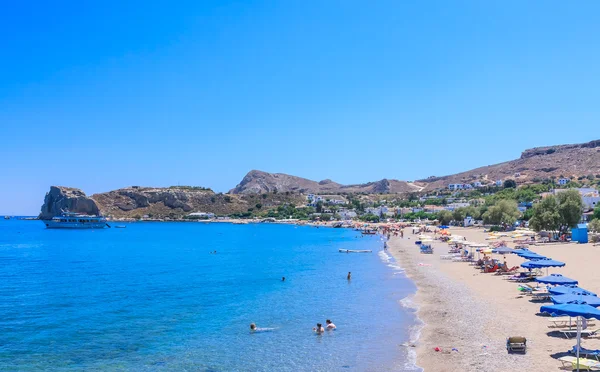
152	296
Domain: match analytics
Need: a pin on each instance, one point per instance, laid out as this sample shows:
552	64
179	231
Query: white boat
68	220
354	251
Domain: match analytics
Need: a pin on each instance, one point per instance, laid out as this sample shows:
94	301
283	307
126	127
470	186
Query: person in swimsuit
319	328
330	326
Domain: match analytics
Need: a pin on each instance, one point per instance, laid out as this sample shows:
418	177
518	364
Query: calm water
151	297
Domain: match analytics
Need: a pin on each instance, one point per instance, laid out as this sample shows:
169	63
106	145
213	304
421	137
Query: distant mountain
533	166
258	182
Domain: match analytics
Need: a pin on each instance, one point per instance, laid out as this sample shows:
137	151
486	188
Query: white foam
391	263
414	331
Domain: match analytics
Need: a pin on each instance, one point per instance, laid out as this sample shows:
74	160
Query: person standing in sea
349	276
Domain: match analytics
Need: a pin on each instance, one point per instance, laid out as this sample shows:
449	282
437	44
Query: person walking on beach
349	275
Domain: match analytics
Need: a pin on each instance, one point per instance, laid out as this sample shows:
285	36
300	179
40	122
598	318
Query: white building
201	215
453	206
590	202
347	214
459	186
477	184
499	183
378	211
563	181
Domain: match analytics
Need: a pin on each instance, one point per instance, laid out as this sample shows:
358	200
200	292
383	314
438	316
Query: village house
563	181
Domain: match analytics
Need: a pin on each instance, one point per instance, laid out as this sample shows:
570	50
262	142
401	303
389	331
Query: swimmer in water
283	279
254	328
349	275
319	328
330	325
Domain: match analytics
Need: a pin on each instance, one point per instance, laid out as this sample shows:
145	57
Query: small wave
408	302
391	262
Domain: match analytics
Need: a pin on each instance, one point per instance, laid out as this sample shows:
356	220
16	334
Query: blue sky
102	95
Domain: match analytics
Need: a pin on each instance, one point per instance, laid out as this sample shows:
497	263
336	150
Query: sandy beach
473	312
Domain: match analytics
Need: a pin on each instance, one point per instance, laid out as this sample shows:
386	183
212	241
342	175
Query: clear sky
103	95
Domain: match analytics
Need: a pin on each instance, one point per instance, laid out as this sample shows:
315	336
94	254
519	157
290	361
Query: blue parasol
564	289
556	279
576	297
574	309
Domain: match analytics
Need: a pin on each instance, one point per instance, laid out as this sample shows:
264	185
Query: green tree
445	217
510	184
594	226
369	217
505	211
459	215
528	214
596	215
319	206
545	215
570	208
473	212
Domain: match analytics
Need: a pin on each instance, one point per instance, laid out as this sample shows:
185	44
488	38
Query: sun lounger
540	295
516	344
584	333
510	271
586	352
448	256
492	269
565	321
584	364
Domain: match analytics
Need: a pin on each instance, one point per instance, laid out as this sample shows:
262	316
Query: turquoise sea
152	297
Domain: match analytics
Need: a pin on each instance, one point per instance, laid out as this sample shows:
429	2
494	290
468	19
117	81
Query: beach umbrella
563	289
574	297
521	250
546	262
532	256
503	250
527	265
577	309
556	279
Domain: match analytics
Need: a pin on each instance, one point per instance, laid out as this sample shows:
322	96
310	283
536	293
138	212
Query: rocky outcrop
548	150
258	182
61	198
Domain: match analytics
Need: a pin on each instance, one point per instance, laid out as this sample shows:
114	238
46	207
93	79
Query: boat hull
74	225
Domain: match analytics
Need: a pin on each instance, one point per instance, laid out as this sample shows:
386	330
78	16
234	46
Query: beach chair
488	269
516	344
584	364
510	271
568	333
586	352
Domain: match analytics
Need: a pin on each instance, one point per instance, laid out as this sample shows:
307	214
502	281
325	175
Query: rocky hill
61	198
257	182
534	165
